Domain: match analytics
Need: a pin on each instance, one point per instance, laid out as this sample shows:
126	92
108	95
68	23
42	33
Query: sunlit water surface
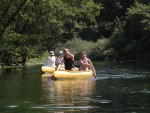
118	88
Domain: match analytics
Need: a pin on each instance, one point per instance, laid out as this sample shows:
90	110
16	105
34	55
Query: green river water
118	88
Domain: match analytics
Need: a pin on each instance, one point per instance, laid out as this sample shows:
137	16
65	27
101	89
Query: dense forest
106	29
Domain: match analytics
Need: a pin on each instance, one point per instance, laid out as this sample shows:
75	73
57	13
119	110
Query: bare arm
70	55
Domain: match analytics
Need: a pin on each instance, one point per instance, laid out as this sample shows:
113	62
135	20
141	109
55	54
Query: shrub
101	50
76	46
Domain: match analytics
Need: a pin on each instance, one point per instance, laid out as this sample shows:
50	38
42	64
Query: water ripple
12	106
101	101
61	107
145	91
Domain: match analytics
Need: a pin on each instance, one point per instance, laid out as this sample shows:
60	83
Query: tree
138	32
30	27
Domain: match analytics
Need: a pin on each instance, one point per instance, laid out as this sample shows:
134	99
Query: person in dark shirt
68	60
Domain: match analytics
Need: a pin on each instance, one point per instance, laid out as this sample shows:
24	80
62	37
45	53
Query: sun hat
52	53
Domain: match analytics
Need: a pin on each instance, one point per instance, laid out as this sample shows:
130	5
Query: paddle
92	68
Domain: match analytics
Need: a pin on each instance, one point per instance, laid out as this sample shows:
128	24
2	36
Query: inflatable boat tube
48	69
73	74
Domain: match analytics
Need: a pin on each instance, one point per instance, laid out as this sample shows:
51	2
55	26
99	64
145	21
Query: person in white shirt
50	60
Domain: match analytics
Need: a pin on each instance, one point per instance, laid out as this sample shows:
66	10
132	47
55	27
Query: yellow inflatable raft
66	74
47	75
48	69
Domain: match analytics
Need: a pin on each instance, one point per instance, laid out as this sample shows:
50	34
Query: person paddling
86	63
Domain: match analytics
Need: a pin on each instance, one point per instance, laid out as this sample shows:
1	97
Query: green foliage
98	50
40	59
17	48
139	15
117	39
28	28
77	16
137	30
102	50
112	9
76	46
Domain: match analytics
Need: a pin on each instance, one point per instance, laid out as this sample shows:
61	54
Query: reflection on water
118	88
68	92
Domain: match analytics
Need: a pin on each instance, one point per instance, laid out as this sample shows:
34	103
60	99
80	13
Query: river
118	88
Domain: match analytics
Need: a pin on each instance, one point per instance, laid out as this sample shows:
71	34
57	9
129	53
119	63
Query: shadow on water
24	70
